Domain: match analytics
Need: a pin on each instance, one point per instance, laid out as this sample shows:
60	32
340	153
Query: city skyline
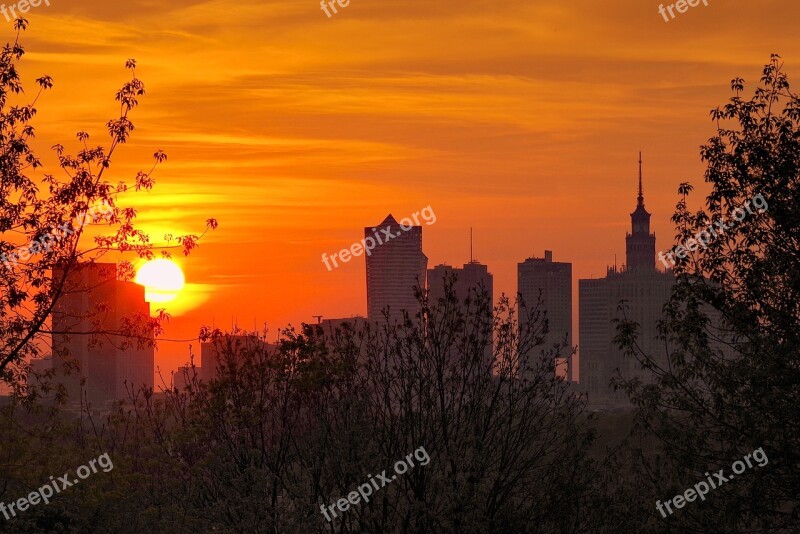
528	132
592	318
640	250
208	206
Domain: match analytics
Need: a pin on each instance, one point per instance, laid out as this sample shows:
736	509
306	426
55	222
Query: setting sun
162	279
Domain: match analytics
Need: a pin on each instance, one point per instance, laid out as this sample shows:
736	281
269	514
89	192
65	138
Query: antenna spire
641	194
471	257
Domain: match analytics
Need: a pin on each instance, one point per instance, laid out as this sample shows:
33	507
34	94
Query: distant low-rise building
184	375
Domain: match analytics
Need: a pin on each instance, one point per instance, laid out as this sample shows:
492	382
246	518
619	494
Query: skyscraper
471	277
644	289
90	321
640	244
554	281
468	282
394	267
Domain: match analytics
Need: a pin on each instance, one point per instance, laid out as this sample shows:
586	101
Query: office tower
467	280
37	375
110	361
645	291
553	281
394	267
228	352
640	244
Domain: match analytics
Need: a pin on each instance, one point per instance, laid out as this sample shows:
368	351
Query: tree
283	431
732	329
44	220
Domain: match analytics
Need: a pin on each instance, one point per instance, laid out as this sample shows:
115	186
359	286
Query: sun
162	280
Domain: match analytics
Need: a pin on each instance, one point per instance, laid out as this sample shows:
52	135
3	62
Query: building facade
553	282
472	277
473	281
394	267
89	328
644	290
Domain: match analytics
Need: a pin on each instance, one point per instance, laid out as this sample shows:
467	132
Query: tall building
553	280
394	267
110	362
644	289
468	282
640	244
470	278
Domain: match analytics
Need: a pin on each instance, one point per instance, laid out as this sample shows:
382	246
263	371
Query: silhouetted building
553	281
184	375
41	365
472	280
91	323
38	371
645	291
394	267
469	279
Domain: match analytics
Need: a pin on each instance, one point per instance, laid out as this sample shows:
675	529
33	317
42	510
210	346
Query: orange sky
520	118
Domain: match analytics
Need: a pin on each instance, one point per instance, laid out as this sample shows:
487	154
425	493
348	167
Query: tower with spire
644	289
640	244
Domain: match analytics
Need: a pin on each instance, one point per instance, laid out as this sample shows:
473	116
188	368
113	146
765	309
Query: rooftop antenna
471	257
318	318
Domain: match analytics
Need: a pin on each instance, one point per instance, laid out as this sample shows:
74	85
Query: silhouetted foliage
731	386
286	428
43	221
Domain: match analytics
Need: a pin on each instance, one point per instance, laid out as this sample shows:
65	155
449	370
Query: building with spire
394	267
644	289
471	283
640	244
474	277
